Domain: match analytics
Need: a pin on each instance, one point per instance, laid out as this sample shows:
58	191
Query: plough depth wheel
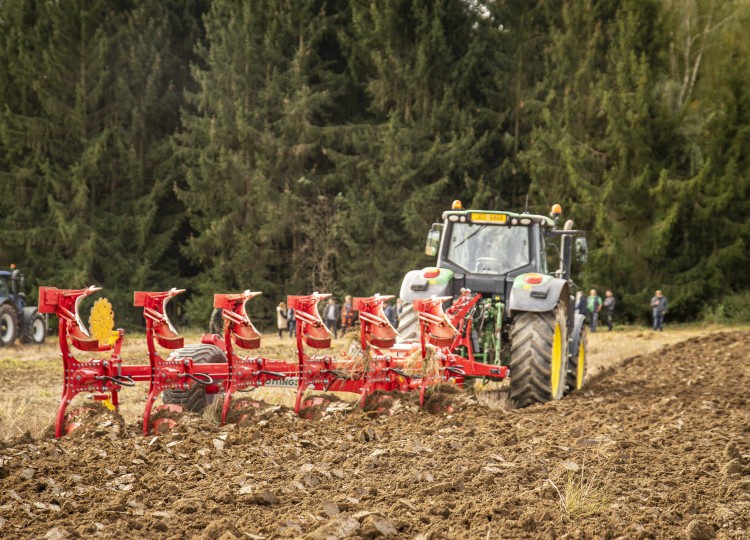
195	399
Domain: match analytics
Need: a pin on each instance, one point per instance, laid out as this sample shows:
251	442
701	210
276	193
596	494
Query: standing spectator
593	306
609	307
216	323
581	304
331	316
347	314
390	314
281	317
291	321
659	308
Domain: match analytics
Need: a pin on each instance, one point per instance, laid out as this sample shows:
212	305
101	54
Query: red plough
381	365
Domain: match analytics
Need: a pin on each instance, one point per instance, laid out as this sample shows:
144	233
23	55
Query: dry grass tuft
582	495
212	412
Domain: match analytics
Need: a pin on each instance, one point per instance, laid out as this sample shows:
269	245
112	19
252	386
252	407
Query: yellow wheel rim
581	365
556	359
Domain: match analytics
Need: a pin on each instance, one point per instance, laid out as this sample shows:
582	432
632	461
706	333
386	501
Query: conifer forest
290	146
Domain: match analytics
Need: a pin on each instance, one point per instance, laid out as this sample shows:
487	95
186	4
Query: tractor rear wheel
36	331
578	364
539	352
195	399
8	325
408	323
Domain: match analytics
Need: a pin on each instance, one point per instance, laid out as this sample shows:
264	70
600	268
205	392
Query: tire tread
531	356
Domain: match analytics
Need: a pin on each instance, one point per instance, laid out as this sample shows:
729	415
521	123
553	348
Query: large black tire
35	331
539	353
578	364
408	323
8	325
195	398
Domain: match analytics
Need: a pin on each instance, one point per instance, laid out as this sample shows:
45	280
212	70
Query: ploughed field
654	446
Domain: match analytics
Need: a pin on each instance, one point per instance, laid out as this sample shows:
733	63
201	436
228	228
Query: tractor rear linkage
381	365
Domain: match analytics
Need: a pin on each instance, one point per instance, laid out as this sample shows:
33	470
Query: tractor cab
12	285
481	250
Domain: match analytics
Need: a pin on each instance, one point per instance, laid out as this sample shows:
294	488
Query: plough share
382	365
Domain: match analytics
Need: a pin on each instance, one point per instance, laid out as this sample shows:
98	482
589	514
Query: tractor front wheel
8	325
539	352
578	364
194	399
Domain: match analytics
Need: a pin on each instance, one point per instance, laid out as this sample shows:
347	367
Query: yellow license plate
488	218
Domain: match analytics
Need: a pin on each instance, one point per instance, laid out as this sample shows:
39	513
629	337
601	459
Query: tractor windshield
489	249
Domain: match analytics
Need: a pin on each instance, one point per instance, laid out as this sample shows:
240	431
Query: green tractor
522	313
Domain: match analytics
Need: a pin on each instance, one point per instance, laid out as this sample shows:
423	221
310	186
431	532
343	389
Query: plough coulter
378	365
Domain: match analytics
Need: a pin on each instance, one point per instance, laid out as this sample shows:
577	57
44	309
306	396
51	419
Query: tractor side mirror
582	249
433	239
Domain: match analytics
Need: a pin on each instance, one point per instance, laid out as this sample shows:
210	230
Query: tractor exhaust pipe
566	251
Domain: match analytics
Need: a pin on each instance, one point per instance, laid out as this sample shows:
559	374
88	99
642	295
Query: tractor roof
494	217
4	273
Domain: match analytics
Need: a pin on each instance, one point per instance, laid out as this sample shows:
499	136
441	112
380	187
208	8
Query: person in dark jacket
347	315
659	308
609	308
331	316
390	314
291	322
581	303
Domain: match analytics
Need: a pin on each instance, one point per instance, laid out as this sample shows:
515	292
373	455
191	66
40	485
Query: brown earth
656	446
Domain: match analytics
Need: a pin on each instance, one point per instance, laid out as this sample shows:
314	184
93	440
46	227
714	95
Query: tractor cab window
3	288
489	249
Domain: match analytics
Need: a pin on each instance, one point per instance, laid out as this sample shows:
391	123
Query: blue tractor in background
17	319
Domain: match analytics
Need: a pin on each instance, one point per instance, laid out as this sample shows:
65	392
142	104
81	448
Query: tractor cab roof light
453	217
525	221
457	205
556	212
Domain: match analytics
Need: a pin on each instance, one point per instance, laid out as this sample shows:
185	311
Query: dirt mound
245	411
92	421
438	399
658	448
